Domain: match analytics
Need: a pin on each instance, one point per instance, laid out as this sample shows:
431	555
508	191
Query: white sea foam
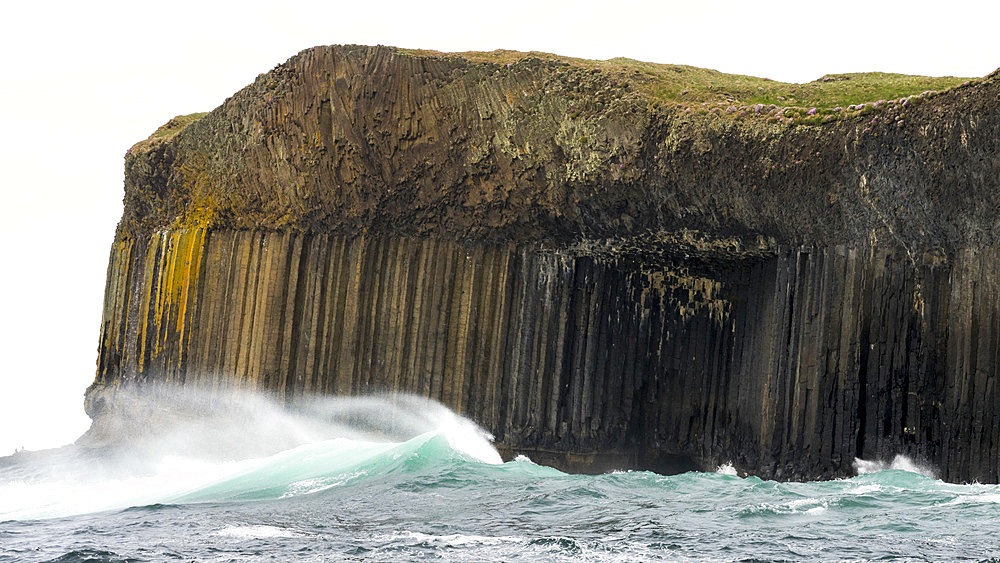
808	505
726	469
477	547
320	484
453	540
811	506
866	489
79	490
463	435
900	462
192	441
256	532
977	498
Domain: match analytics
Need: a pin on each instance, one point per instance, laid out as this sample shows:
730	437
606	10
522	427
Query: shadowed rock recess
600	280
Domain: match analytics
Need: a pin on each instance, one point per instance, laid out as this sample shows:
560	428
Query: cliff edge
599	269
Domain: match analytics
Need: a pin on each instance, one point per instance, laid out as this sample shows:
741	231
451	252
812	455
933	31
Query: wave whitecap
323	465
249	448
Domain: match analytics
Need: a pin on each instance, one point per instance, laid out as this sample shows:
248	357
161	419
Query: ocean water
390	479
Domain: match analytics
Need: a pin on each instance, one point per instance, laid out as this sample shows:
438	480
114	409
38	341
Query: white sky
81	82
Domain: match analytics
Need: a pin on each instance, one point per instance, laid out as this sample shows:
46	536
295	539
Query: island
605	264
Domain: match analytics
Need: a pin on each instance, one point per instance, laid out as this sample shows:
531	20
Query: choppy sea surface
264	485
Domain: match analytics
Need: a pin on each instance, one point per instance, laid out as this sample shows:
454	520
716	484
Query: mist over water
165	443
237	477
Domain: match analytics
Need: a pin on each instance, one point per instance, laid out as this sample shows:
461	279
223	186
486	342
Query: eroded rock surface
599	280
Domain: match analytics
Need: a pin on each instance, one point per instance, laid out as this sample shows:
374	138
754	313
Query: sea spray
168	444
726	469
211	477
899	462
231	424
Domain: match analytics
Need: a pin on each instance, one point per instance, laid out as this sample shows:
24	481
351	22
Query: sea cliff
600	275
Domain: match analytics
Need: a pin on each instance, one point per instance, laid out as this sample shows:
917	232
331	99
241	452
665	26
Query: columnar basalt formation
599	280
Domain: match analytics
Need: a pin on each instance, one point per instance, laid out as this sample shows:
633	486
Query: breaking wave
182	446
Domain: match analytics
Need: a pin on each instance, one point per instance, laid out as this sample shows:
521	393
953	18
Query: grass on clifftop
169	129
706	89
702	90
176	125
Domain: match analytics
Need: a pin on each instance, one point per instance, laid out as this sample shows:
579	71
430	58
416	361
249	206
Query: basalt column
790	365
551	351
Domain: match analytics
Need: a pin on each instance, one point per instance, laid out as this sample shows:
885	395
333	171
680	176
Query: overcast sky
82	82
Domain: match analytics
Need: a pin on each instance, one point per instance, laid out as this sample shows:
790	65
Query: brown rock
598	280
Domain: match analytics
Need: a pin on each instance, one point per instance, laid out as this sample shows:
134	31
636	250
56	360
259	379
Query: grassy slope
709	90
169	129
704	90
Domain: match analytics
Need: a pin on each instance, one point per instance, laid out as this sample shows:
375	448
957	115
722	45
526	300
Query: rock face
598	280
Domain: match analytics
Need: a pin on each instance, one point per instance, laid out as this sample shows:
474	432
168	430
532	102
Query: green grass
168	130
176	125
703	90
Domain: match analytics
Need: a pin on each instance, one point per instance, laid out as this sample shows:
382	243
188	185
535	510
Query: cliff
600	273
